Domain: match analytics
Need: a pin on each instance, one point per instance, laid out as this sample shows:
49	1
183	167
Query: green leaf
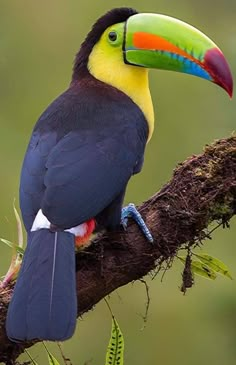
51	359
115	349
202	269
182	259
8	243
19	227
215	264
31	359
18	249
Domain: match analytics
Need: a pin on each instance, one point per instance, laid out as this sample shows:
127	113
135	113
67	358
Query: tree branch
202	190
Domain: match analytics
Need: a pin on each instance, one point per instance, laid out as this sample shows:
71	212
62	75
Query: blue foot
130	211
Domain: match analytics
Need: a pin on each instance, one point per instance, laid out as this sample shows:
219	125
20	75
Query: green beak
161	42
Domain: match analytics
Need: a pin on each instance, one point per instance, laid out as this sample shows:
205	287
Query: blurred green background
38	41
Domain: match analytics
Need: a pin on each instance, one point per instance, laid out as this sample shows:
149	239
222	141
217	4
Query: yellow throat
106	64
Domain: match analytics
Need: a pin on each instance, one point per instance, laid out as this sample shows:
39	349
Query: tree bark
202	190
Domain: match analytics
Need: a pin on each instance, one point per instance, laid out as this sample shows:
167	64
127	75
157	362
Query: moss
199	172
223	209
208	170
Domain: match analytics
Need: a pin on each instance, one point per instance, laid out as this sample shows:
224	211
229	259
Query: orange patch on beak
150	42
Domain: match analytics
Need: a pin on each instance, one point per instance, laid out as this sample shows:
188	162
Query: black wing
85	173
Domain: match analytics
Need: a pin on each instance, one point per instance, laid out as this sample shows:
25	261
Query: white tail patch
78	231
41	222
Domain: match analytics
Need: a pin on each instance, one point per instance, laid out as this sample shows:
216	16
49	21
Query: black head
114	16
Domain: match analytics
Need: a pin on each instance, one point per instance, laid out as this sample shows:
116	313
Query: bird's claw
130	211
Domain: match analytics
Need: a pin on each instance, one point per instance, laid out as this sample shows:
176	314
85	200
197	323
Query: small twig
145	316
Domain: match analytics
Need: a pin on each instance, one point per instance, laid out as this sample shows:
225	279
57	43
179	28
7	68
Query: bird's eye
112	36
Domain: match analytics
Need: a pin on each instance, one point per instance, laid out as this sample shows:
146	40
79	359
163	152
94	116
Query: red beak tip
219	69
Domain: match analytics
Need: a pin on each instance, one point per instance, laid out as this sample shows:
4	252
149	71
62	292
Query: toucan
83	151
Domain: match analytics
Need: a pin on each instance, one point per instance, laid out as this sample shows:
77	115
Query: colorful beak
161	42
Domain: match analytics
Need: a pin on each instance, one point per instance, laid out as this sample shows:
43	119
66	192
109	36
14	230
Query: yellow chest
110	68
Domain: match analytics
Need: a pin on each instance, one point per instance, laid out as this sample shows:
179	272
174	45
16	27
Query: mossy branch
202	190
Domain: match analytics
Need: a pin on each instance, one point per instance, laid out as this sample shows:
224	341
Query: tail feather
44	302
